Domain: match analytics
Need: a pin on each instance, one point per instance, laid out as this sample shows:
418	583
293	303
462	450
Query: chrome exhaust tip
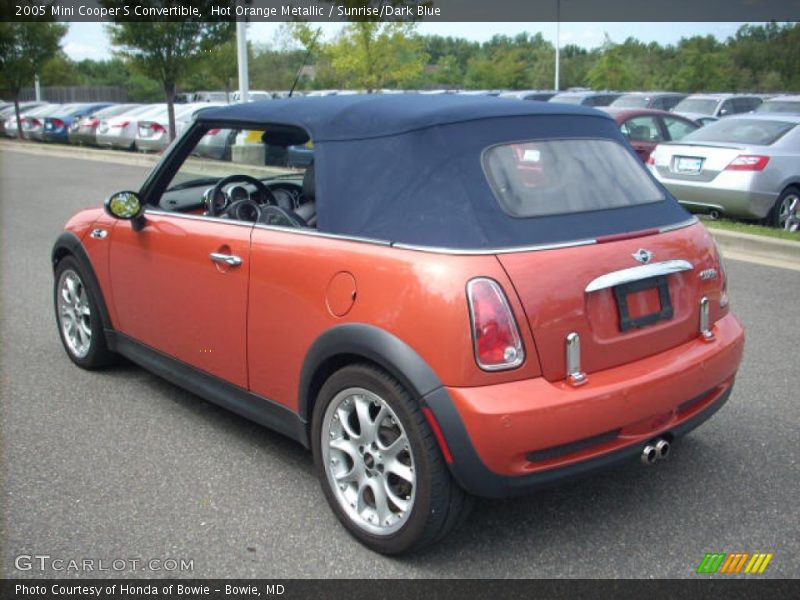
649	455
662	448
714	215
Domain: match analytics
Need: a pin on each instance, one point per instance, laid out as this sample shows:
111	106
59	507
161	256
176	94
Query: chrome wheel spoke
404	472
364	421
381	500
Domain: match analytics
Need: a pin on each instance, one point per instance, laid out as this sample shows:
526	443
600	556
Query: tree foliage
371	55
168	51
24	48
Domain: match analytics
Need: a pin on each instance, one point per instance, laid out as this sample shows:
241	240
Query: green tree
24	48
372	55
168	51
60	70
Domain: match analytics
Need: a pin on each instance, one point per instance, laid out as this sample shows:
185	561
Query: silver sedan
745	166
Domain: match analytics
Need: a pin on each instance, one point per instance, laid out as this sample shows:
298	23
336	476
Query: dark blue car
56	127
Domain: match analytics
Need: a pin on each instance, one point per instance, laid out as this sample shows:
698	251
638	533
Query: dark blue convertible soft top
407	168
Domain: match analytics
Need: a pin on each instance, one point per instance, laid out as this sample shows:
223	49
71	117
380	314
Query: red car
460	296
646	128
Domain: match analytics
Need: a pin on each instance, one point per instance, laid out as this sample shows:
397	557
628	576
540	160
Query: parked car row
123	126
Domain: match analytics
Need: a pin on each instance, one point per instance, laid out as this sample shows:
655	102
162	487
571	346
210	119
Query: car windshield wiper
194	183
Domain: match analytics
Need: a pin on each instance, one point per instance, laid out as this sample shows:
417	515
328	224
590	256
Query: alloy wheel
368	461
74	314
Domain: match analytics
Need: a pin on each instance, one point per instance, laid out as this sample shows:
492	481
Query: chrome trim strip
315	233
681	225
179	215
614	278
481	251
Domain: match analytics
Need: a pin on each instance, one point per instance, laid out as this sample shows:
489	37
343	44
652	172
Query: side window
641	129
669	102
677	128
727	108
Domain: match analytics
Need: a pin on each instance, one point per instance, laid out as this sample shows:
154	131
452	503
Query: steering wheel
263	190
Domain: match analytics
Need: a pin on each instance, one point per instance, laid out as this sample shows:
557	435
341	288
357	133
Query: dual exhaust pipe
655	450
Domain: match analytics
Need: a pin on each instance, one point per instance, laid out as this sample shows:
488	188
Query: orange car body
303	303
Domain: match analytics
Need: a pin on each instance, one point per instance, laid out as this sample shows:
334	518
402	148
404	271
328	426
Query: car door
643	133
179	285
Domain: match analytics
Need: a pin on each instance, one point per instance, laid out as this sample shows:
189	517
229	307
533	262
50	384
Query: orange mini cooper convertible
460	296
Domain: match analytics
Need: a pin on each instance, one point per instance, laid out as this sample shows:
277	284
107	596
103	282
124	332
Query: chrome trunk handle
615	278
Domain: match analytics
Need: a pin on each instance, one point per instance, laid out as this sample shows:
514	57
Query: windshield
532	179
779	106
758	132
697	105
631	101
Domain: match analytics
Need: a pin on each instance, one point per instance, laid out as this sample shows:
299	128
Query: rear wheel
379	463
780	211
78	317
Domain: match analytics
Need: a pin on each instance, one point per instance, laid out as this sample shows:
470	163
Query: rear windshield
779	106
552	177
568	98
758	132
631	101
696	105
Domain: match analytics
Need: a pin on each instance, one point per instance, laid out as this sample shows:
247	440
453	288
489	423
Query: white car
152	134
120	131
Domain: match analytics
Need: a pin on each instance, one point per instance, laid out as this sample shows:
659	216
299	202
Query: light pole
558	41
241	56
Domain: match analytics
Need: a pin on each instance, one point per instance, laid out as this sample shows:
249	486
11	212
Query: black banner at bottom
391	589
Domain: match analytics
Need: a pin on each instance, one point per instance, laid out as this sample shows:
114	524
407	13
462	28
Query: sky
89	40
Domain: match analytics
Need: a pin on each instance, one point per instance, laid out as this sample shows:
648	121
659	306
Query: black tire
96	354
780	210
439	504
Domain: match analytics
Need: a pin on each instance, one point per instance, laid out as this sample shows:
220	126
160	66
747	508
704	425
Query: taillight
748	162
92	123
58	123
121	124
212	132
157	128
651	159
496	339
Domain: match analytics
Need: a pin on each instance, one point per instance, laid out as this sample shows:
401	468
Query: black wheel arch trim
68	244
371	343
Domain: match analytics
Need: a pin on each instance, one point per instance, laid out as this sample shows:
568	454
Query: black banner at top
402	10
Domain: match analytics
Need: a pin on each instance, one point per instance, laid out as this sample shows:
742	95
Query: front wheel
78	317
379	463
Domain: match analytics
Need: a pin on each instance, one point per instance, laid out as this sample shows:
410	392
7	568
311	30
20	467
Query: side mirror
124	205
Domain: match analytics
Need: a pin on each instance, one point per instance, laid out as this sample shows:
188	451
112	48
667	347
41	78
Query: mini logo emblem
642	255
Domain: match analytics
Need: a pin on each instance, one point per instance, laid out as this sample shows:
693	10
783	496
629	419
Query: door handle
228	259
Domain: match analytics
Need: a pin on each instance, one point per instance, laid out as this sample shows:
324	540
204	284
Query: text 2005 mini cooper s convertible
459	296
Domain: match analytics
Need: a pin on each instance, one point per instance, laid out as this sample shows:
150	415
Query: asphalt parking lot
122	465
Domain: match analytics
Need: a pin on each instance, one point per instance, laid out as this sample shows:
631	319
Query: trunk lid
695	162
552	288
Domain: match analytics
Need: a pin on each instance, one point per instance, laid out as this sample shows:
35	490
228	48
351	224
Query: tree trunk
16	113
169	91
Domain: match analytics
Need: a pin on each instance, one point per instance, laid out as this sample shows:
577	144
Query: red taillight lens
58	123
748	162
121	124
651	159
495	335
212	132
157	128
92	123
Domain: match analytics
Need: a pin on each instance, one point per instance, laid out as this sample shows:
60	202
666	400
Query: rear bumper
729	199
514	438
